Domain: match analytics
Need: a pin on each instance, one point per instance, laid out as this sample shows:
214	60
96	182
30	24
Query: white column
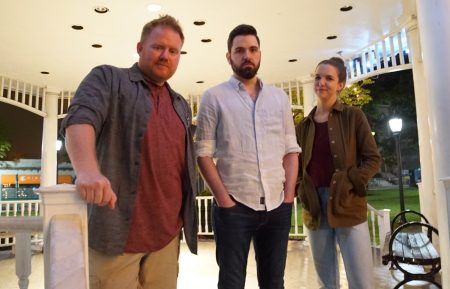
434	28
309	98
49	137
427	193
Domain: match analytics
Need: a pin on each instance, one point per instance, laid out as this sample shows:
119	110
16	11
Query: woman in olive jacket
339	155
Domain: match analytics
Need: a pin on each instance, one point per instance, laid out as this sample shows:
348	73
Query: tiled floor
200	272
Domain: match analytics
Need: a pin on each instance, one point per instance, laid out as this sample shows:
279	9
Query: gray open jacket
116	102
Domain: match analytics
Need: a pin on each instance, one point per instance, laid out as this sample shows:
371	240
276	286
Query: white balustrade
65	238
64	224
22	227
379	221
204	206
22	94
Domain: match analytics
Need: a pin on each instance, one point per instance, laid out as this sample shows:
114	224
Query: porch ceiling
37	36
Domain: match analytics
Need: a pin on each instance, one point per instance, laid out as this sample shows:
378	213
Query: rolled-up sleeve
91	101
205	134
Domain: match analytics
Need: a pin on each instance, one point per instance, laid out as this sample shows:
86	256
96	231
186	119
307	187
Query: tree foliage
5	146
357	93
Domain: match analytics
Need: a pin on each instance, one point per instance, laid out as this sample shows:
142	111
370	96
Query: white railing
31	96
22	227
20	208
27	208
204	205
378	219
379	222
64	100
386	55
22	94
64	224
65	238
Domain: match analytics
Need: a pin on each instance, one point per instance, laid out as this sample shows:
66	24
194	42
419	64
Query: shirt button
331	198
332	141
335	156
331	128
337	170
334	182
331	114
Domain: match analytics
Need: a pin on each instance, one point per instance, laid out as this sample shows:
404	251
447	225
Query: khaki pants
157	270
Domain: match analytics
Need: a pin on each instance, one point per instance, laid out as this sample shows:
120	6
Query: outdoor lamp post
395	125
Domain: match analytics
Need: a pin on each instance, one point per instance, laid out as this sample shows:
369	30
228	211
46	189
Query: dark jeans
235	228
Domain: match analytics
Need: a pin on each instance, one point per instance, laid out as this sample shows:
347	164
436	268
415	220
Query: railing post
384	225
22	227
62	200
23	258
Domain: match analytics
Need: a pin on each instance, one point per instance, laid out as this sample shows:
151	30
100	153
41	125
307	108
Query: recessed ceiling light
206	40
200	81
183	52
293	60
77	27
346	8
45	72
154	7
97	45
339	52
331	37
101	9
199	22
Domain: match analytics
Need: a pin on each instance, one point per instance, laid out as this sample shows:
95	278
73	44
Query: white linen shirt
248	139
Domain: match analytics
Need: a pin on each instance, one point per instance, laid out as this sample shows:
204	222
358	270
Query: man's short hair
163	20
243	29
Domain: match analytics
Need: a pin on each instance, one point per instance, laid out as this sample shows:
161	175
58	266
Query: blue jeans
235	228
354	243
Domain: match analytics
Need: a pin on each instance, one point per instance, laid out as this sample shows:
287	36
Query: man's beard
246	72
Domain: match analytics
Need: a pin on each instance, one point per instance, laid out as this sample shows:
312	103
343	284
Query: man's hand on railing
96	188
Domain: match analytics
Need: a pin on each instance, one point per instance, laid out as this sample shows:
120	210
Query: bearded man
248	154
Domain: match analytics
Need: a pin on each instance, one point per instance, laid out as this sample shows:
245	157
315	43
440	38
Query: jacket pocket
359	181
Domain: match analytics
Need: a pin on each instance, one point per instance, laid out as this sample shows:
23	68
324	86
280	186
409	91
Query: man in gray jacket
128	137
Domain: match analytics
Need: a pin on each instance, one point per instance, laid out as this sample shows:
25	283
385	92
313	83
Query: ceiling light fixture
293	60
101	9
97	45
331	37
183	52
346	8
45	72
199	22
154	7
206	40
200	81
77	27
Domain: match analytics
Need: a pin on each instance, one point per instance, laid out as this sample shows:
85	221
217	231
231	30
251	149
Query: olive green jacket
356	159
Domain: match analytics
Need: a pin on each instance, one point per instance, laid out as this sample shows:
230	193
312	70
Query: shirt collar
136	75
237	84
337	106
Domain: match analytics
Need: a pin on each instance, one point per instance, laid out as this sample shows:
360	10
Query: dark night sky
23	130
